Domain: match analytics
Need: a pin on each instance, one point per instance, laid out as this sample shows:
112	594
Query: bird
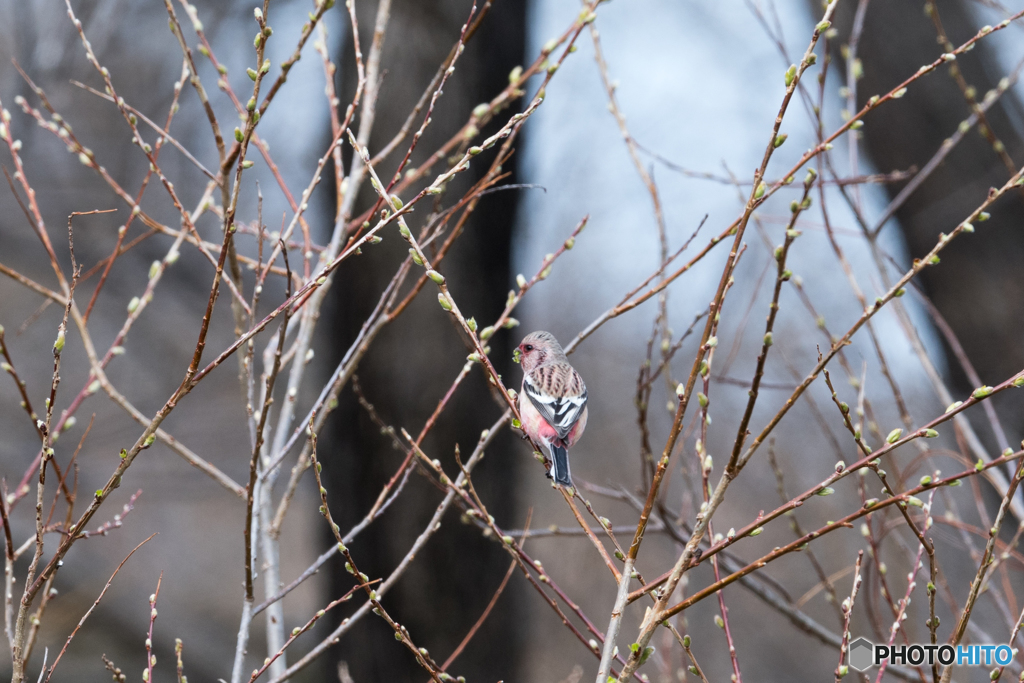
554	412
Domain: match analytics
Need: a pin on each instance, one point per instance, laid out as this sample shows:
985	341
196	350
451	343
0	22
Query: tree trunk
452	580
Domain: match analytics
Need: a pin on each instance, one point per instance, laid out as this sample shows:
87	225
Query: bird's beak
517	356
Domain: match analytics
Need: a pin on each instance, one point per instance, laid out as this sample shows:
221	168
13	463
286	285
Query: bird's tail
560	465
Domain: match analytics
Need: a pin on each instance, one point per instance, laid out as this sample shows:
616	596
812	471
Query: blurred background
699	86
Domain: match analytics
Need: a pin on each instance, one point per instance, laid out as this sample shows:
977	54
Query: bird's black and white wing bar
559	395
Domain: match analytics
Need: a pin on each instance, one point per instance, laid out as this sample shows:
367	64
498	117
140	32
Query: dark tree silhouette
450	583
977	289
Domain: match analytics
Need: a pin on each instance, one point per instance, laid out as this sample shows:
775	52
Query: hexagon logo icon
860	652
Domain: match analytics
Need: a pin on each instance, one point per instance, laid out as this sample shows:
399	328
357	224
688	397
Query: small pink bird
555	413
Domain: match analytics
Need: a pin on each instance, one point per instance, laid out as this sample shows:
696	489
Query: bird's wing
557	392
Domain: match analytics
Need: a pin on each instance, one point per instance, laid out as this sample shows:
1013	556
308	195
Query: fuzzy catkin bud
982	392
790	75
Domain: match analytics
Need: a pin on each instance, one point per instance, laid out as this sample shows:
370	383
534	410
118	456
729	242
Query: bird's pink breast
533	423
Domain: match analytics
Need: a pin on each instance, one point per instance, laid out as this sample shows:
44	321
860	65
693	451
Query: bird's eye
528	347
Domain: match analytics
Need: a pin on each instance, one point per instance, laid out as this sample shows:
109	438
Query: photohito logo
863	654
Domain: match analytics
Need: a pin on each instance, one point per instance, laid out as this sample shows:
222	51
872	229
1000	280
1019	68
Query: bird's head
536	349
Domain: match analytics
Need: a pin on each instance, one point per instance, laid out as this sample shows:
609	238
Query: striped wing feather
559	395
